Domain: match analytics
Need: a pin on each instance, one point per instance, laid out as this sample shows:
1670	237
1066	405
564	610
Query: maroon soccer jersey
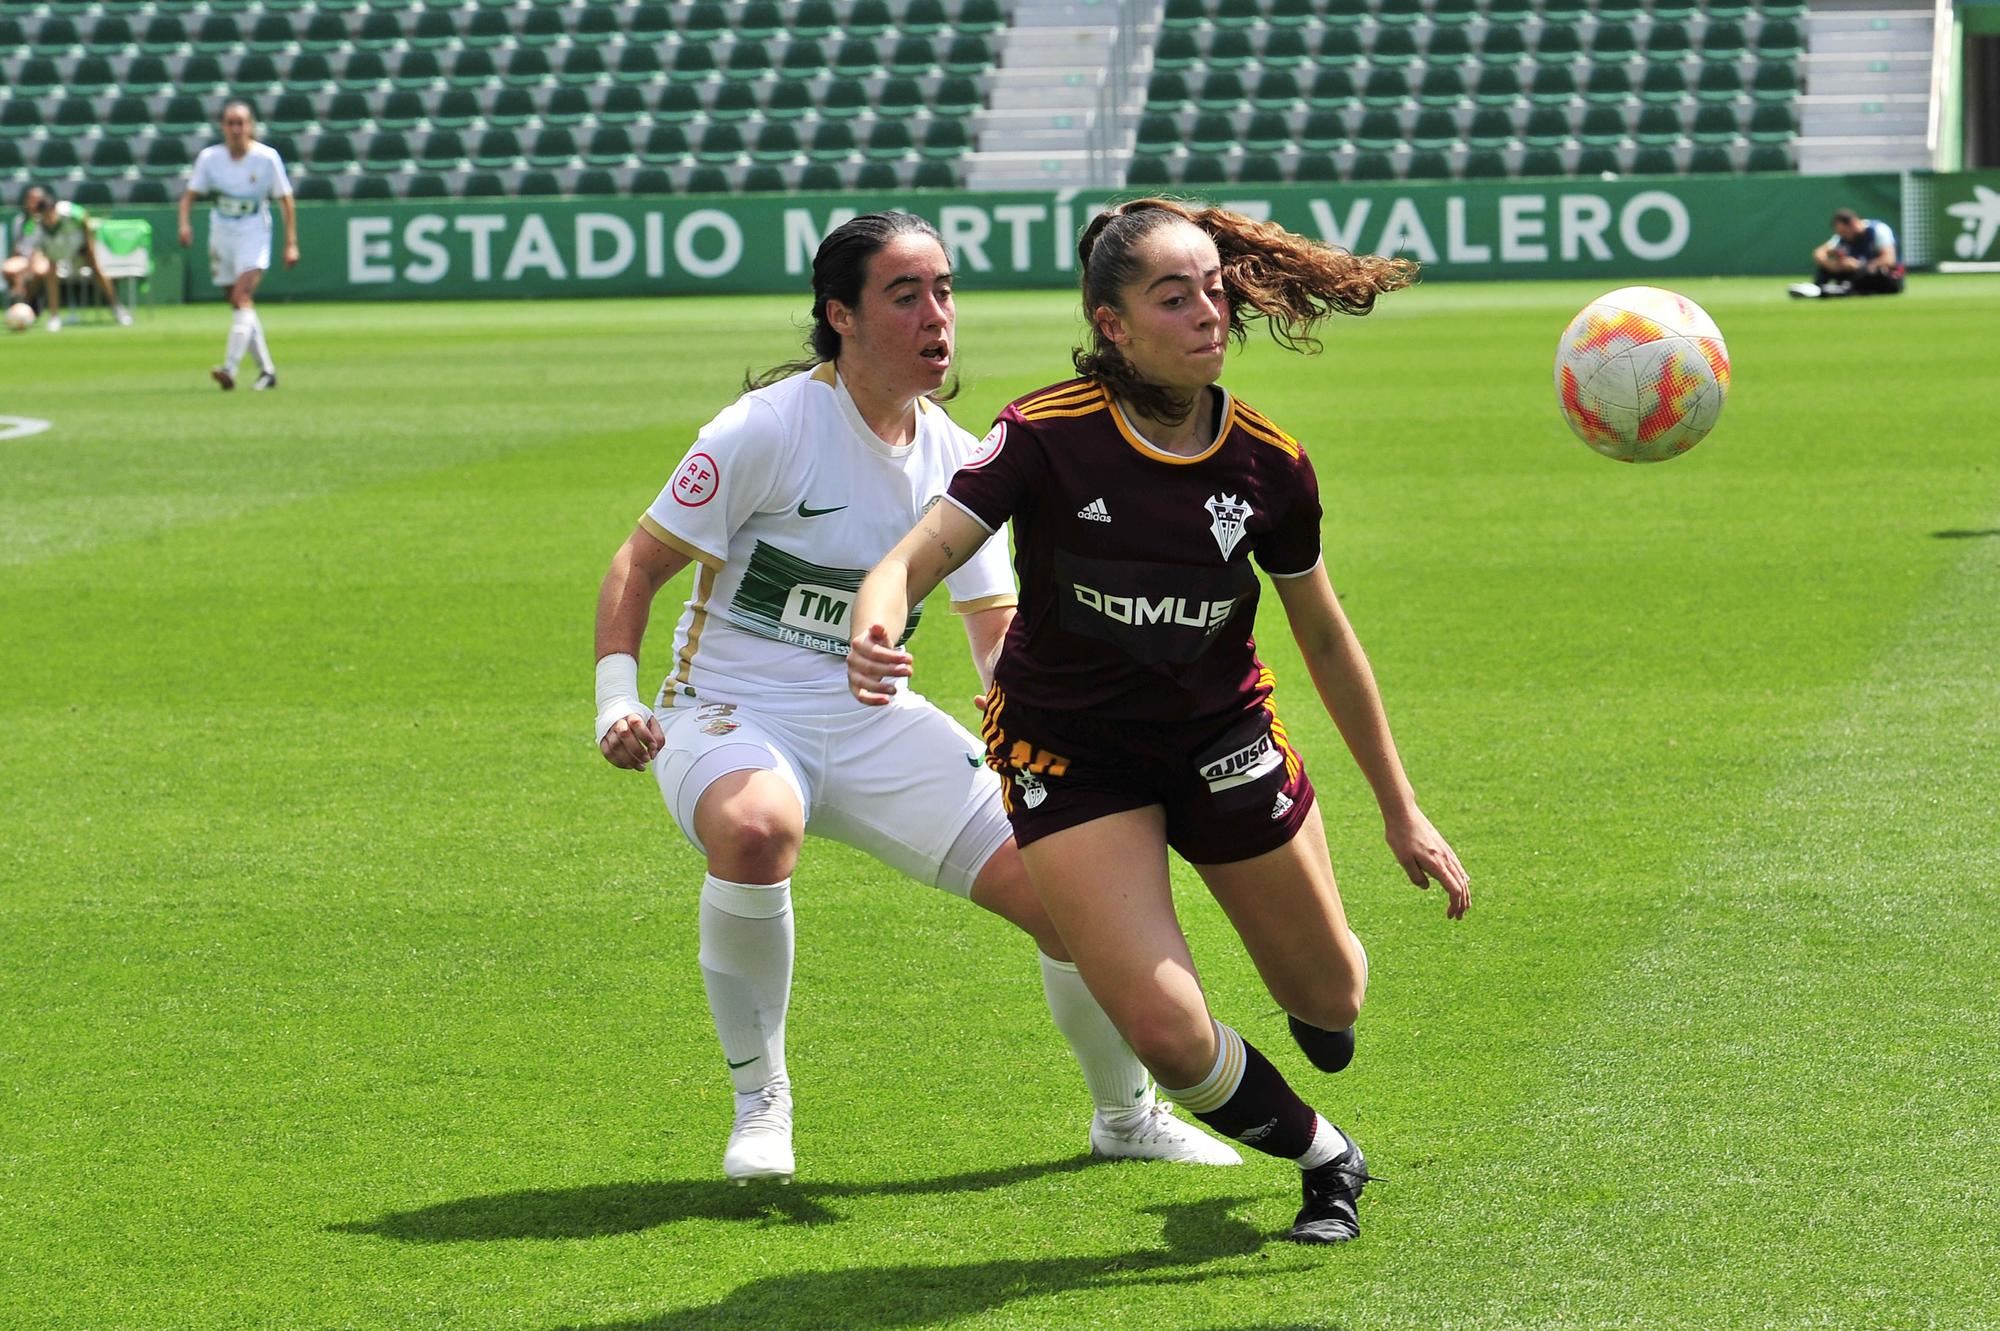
1137	597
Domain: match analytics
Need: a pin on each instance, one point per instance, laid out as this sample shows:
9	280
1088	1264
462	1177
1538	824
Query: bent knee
1175	1043
1331	1007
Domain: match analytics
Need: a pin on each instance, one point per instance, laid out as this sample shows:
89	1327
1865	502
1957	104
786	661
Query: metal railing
1943	28
1109	139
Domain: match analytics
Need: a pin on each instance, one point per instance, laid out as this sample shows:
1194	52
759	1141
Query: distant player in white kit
244	176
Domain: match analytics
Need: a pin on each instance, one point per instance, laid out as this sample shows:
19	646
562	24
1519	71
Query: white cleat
1153	1133
122	315
53	323
760	1145
1805	290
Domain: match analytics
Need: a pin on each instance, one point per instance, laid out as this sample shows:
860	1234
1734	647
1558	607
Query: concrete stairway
1867	79
1041	122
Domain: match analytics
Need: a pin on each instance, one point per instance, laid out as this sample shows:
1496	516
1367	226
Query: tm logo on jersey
1227	515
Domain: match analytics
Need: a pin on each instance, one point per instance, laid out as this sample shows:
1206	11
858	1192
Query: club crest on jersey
1227	515
1033	792
697	481
715	718
989	447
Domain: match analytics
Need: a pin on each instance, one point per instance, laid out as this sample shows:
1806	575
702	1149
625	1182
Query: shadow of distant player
604	1209
886	1297
1964	533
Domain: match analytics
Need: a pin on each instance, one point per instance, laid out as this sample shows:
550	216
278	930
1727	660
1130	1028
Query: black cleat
1331	1195
1329	1051
264	381
223	377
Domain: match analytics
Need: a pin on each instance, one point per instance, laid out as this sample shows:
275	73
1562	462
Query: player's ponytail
840	269
1290	282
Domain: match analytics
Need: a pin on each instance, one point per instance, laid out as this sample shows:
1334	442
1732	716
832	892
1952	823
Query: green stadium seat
880	176
284	145
967	54
434	29
788	99
1767	157
455	108
1148	171
423	185
1315	169
322	32
496	150
309	71
1449	13
1484	164
540	27
762	178
1613	41
1184	14
1266	132
719	144
1673	11
1775	81
703	23
146	74
1663	83
747	61
201	73
944	137
1508	12
399	110
1259	169
314	189
922	18
1156	136
510	108
485	29
1212	132
527	67
1378	130
889	140
1607	85
553	146
583	66
1167	91
110	159
363	71
1655	160
380	30
1602	126
1546	127
331	153
127	116
441	150
165	34
955	95
1668	42
980	16
596	25
1393	47
1618	11
1332	88
1339	47
776	142
1435	128
870	18
820	176
935	174
1385	87
650	180
1778	39
1441	87
813	19
1220	91
1399	12
1553	85
1498	85
344	111
541	183
271	33
1598	159
253	76
111	34
565	105
1564	11
1541	162
1490	128
164	157
899	97
92	193
92	76
57	36
1229	50
36	76
832	141
1710	160
1448	46
1718	83
1657	125
1276	90
638	64
183	115
417	69
19	118
1284	48
386	151
1502	46
1346	13
1729	9
856	58
911	56
1323	131
1235	14
1427	164
1290	13
1557	45
802	59
664	145
1204	170
1372	166
1773	123
1176	50
1715	124
482	185
676	104
1723	40
732	102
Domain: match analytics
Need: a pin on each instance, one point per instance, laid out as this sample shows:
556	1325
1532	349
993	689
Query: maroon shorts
1232	787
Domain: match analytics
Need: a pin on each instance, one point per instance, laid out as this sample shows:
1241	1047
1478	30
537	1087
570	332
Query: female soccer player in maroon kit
1129	712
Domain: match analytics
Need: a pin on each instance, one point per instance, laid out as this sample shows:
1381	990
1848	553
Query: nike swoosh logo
805	512
974	760
745	1063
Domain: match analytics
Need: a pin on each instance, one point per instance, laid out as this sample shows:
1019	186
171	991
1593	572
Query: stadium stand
1471	89
485	98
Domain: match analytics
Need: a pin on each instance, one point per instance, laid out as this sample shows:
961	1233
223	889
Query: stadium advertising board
1624	229
1966	221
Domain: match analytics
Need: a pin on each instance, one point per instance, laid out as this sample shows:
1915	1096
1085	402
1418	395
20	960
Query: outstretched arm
1346	685
943	539
627	733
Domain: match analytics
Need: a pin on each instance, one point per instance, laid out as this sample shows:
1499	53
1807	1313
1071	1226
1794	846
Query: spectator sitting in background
55	234
1858	259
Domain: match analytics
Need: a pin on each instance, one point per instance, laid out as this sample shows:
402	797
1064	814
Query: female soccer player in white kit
244	176
784	500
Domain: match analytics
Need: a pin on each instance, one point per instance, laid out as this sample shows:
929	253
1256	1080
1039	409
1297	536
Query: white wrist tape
618	692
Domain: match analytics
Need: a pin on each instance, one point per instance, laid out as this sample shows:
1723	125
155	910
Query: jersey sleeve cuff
986	526
1301	573
668	539
999	601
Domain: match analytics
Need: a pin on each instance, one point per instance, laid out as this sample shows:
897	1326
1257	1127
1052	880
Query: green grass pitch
346	987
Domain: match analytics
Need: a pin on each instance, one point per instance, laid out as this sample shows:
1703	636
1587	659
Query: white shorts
905	783
236	248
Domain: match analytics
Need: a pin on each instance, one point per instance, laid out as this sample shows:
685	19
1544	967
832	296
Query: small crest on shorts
715	718
1227	514
1033	792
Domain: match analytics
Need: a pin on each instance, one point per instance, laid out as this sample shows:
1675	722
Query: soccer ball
20	317
1641	374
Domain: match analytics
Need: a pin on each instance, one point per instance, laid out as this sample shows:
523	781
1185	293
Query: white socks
746	966
240	328
258	350
1118	1081
1328	1141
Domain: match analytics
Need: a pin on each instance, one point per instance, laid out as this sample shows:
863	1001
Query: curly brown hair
1290	282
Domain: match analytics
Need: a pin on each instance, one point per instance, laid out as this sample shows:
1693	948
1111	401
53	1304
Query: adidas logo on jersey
1281	806
1094	511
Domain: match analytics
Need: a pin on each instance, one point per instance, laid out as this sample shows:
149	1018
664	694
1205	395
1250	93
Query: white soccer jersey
786	500
242	186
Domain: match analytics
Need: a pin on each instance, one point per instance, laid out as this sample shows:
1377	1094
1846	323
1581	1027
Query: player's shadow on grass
604	1209
1964	533
882	1298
